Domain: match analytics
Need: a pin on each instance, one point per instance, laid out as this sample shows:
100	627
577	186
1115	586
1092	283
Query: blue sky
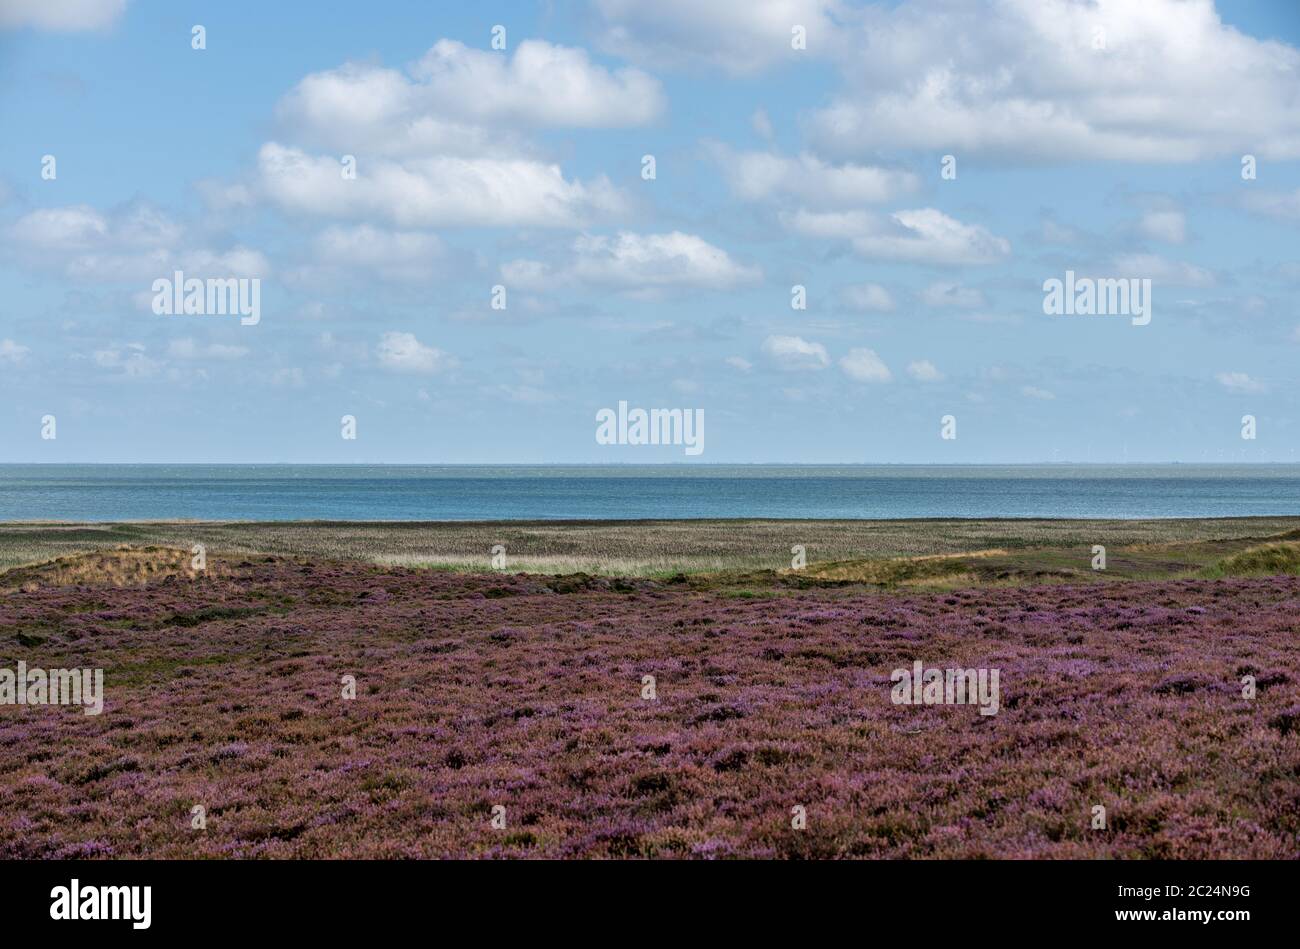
1105	138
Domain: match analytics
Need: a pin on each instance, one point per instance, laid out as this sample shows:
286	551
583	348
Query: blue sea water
417	492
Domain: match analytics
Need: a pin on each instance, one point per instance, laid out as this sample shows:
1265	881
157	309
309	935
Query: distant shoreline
661	465
409	523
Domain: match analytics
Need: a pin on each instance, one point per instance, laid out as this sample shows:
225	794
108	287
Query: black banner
332	898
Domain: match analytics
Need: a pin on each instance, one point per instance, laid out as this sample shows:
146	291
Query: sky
825	226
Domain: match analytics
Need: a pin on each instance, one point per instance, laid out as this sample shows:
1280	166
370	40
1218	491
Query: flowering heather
523	691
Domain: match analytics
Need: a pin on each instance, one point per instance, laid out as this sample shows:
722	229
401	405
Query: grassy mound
1267	560
121	567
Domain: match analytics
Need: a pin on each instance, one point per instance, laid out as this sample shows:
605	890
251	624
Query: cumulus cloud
1166	225
673	259
741	37
379	111
454	93
371	245
60	15
1239	382
1034	392
636	262
1162	270
758	176
76	227
130	361
133	242
444	142
924	371
1052	231
923	236
435	191
12	352
1026	80
871	297
793	353
404	256
863	365
402	352
928	236
541	84
1283	205
830	224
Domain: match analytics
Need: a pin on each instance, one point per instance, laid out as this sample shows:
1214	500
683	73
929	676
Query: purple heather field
526	692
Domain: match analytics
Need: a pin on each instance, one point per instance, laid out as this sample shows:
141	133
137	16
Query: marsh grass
1266	560
927	553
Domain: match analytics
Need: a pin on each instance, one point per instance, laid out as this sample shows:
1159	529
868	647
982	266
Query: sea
72	492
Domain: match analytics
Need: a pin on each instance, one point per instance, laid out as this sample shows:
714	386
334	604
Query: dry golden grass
120	567
896	570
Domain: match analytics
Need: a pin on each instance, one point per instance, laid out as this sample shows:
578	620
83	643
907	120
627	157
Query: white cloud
61	15
1033	392
459	100
236	262
924	371
863	365
1174	83
131	361
793	353
1162	270
435	191
1052	231
377	111
1164	225
1283	205
673	259
830	224
12	352
738	363
931	237
1239	382
923	235
742	37
75	227
134	242
410	256
541	84
224	196
867	296
527	275
951	294
631	261
402	352
758	176
444	143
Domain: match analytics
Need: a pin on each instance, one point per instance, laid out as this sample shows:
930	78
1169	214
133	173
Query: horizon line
645	464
